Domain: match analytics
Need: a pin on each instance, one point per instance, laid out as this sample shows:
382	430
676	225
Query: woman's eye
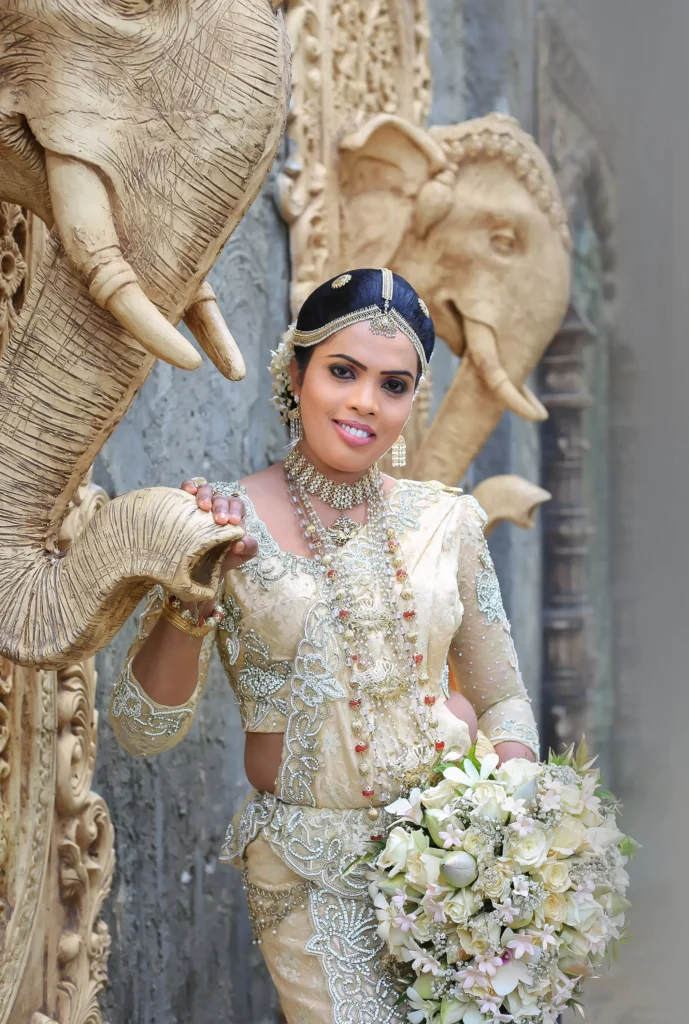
342	372
395	386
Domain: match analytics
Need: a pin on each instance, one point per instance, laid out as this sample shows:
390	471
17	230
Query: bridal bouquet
500	889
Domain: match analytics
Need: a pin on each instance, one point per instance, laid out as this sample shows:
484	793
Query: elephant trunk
56	608
468	415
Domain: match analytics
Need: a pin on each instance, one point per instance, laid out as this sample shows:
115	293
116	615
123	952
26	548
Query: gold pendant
342	531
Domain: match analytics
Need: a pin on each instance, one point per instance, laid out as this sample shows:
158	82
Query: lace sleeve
482	653
142	726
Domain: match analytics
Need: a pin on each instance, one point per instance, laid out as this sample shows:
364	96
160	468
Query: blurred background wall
595	81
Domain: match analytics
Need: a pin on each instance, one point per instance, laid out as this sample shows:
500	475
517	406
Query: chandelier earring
296	424
399	453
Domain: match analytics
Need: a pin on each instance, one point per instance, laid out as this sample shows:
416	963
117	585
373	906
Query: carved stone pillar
56	838
567	531
578	657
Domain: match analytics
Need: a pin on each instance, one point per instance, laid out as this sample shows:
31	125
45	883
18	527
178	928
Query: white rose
529	852
554	875
459	868
568	836
602	836
576	943
451	1011
522	1003
463	905
598	933
495	883
423	868
439	796
475	842
517	772
572	799
554	908
488	798
582	911
482	936
399	845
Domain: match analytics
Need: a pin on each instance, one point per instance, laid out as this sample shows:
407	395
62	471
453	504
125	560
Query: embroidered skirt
311	915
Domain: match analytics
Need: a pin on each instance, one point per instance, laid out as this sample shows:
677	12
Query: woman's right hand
225	511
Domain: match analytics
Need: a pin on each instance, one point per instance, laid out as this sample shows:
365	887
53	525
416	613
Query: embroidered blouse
279	646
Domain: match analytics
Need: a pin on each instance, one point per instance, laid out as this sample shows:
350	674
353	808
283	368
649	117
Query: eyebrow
383	373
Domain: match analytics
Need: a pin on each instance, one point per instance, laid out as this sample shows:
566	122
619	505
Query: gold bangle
184	624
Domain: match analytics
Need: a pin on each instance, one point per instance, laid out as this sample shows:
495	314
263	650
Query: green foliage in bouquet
500	889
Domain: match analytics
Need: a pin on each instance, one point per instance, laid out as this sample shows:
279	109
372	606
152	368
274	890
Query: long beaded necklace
374	685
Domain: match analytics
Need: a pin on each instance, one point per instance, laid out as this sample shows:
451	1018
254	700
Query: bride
341	610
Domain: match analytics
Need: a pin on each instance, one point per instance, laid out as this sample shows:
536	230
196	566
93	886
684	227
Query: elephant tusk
84	219
483	351
206	323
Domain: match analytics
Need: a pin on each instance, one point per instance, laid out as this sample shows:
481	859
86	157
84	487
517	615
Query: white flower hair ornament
283	397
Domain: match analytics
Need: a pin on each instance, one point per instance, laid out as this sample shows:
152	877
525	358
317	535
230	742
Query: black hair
365	288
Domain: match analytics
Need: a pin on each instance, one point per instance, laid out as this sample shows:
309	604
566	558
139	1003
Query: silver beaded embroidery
143	716
314	683
511	729
347	943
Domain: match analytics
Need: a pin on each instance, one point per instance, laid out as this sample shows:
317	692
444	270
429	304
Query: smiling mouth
357	432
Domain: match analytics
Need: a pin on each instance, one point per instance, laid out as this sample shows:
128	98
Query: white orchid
468	775
423	1011
407	809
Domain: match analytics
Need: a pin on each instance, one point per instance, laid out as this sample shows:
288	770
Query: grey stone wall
182	952
182	949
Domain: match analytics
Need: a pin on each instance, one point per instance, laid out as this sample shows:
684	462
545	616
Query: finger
236	513
249	547
189	486
221	509
204	497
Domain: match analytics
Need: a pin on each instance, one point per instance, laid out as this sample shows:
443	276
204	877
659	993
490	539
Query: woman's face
355	397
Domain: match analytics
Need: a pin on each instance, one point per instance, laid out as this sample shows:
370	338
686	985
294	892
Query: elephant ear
383	168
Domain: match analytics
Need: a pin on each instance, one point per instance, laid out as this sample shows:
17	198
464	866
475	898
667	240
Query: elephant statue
140	131
472	216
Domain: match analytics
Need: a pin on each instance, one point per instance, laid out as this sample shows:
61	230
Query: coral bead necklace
378	675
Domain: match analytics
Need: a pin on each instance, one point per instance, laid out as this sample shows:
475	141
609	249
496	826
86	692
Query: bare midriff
263	750
262	756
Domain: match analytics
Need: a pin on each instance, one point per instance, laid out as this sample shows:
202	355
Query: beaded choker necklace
337	495
383	758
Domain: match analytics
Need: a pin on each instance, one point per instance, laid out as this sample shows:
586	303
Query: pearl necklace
337	495
370	694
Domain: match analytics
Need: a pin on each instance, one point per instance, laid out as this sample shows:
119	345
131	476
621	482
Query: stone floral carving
144	166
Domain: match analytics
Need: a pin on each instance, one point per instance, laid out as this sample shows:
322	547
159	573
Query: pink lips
355	442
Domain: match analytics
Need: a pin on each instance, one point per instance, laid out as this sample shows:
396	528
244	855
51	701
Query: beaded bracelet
188	622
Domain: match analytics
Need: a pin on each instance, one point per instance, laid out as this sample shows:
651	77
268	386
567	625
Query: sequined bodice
281	647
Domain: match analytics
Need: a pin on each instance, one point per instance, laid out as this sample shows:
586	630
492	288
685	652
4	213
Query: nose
363	399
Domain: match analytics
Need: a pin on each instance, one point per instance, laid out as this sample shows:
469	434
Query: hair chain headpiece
385	322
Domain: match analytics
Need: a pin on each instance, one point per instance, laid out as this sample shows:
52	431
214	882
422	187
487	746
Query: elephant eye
503	241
